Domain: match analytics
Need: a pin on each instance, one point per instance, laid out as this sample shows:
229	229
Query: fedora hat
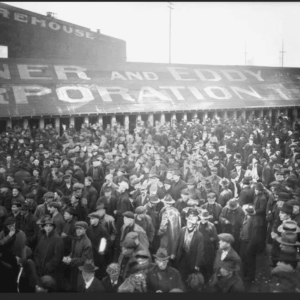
88	266
289	226
224	182
288	238
162	254
48	221
229	265
154	199
168	199
249	208
287	208
233	204
205	214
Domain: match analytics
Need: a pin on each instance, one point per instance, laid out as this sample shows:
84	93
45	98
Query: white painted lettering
4	12
177	75
227	74
89	35
135	75
25	70
215	75
62	70
5	73
175	91
67	29
237	90
20	17
210	90
196	93
79	32
64	91
2	100
106	92
256	75
117	75
21	93
54	26
150	75
34	21
148	92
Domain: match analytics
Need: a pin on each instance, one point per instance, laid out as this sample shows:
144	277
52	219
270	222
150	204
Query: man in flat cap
42	209
101	243
81	251
57	218
109	200
67	186
90	193
49	253
226	251
145	221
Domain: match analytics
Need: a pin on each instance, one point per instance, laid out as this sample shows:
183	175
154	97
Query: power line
245	53
170	24
282	54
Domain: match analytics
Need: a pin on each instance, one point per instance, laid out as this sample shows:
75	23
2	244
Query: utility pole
282	54
170	6
245	53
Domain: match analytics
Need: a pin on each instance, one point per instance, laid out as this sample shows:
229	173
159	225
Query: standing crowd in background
175	207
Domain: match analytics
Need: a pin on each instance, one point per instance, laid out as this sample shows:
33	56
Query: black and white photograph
149	147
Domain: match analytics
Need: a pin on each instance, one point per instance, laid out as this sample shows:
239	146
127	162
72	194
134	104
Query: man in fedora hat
188	249
49	253
80	252
92	284
247	193
227	279
42	209
251	236
112	282
170	224
162	277
210	241
231	221
101	243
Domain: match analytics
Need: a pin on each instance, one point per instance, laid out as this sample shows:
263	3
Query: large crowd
174	207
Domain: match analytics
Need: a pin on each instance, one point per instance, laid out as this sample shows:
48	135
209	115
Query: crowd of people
175	207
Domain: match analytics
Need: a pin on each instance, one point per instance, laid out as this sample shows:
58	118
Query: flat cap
94	215
140	209
48	195
129	243
78	186
226	237
128	214
81	224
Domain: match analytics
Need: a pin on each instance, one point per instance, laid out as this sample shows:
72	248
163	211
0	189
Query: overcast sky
202	32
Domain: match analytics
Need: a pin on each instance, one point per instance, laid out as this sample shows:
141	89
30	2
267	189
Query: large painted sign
30	88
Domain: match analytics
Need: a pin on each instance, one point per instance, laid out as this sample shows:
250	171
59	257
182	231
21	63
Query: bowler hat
226	237
229	265
224	182
128	214
81	224
249	208
288	238
161	254
246	181
259	186
71	211
88	266
287	208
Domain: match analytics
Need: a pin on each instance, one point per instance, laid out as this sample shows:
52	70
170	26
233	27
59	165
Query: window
3	51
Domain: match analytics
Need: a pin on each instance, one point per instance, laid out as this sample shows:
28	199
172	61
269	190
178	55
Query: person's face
214	173
162	264
94	221
48	228
80	231
176	178
184	197
190	225
67	216
8	158
256	191
107	194
296	209
167	186
211	198
223	245
74	200
128	221
101	212
283	216
36	162
35	173
224	272
15	192
9	179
